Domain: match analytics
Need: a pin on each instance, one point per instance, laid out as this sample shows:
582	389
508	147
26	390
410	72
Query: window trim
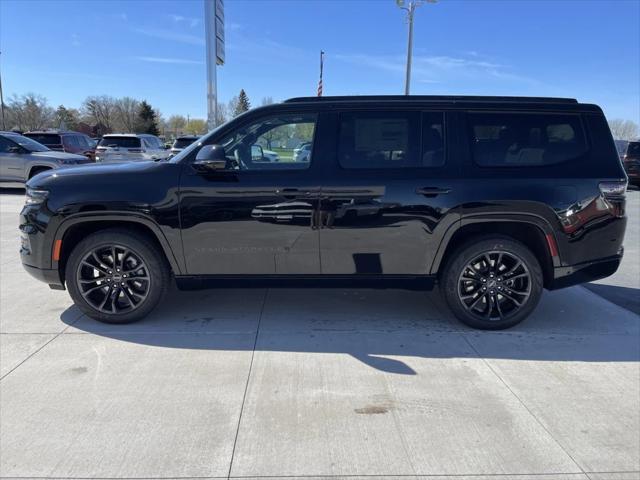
249	121
469	134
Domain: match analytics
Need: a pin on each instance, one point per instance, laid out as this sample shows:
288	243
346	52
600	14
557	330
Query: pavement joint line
484	360
246	386
425	476
39	349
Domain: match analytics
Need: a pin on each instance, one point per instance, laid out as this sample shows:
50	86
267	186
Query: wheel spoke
100	279
513	299
487	314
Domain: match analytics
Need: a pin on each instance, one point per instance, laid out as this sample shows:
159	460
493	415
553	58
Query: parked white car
130	147
302	152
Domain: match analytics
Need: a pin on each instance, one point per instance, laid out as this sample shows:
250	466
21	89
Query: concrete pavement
332	383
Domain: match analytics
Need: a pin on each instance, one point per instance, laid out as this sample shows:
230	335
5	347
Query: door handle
294	192
432	191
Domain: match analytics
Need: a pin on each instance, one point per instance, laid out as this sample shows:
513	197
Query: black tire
133	284
475	296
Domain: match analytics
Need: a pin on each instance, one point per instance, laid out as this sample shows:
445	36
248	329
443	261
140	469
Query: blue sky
67	50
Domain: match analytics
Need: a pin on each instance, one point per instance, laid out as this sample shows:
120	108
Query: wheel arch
532	231
75	228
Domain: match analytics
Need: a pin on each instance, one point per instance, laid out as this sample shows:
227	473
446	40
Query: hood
90	171
59	155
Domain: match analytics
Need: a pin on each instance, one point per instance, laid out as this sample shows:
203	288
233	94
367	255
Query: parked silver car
21	158
182	142
130	147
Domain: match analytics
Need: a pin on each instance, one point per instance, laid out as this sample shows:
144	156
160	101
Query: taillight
613	189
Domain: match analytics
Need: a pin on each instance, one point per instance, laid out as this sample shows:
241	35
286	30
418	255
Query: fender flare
125	218
537	221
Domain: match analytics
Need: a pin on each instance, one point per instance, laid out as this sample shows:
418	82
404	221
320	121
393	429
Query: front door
392	195
12	162
256	216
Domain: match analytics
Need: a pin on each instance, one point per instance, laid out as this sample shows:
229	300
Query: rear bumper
585	272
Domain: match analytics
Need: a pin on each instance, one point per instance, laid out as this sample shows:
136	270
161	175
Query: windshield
45	138
27	143
122	142
634	149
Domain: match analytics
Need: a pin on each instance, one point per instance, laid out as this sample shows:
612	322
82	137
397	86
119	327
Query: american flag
320	81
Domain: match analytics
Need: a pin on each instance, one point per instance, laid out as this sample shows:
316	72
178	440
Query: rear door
391	193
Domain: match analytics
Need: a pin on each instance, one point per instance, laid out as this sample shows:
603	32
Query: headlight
35	197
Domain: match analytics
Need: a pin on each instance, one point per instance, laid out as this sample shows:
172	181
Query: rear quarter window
525	140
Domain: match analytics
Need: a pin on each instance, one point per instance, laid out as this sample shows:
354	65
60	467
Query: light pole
410	9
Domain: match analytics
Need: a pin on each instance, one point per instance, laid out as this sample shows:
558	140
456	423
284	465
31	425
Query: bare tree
176	124
222	114
29	112
624	129
101	110
266	101
126	113
232	106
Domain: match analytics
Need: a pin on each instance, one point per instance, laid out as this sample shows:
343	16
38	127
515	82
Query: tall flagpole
320	81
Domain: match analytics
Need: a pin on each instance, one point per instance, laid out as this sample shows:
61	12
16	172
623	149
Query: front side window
378	140
270	143
525	140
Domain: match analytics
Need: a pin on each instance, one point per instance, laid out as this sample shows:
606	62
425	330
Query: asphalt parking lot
318	383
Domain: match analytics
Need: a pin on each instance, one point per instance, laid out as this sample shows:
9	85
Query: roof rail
430	98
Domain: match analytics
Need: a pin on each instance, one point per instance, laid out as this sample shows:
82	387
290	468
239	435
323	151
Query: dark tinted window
183	142
5	145
122	142
432	140
45	138
378	140
633	150
520	139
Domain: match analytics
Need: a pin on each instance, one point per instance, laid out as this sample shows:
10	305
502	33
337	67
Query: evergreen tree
66	118
243	104
147	121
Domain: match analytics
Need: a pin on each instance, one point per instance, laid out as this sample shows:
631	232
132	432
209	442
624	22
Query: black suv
493	198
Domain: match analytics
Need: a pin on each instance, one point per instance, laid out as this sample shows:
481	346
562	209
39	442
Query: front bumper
585	272
51	277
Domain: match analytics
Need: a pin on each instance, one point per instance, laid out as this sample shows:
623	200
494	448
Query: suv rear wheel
116	276
492	283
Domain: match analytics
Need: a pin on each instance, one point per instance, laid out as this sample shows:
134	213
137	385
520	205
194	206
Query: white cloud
171	36
191	21
438	68
174	61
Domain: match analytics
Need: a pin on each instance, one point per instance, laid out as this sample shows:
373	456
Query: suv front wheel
492	283
116	276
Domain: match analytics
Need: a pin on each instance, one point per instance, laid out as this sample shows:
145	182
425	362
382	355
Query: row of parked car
24	155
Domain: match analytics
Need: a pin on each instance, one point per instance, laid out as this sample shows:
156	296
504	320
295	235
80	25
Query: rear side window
121	142
45	138
525	140
379	140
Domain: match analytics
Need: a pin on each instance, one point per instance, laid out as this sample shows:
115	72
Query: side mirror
212	158
257	154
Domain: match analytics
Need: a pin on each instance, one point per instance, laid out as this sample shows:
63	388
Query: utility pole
410	9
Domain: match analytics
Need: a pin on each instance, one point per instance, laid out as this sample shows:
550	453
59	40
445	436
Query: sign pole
214	32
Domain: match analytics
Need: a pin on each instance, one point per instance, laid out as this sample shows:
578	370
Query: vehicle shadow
11	191
384	329
626	297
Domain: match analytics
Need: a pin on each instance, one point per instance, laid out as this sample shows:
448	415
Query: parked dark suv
631	162
63	141
493	198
